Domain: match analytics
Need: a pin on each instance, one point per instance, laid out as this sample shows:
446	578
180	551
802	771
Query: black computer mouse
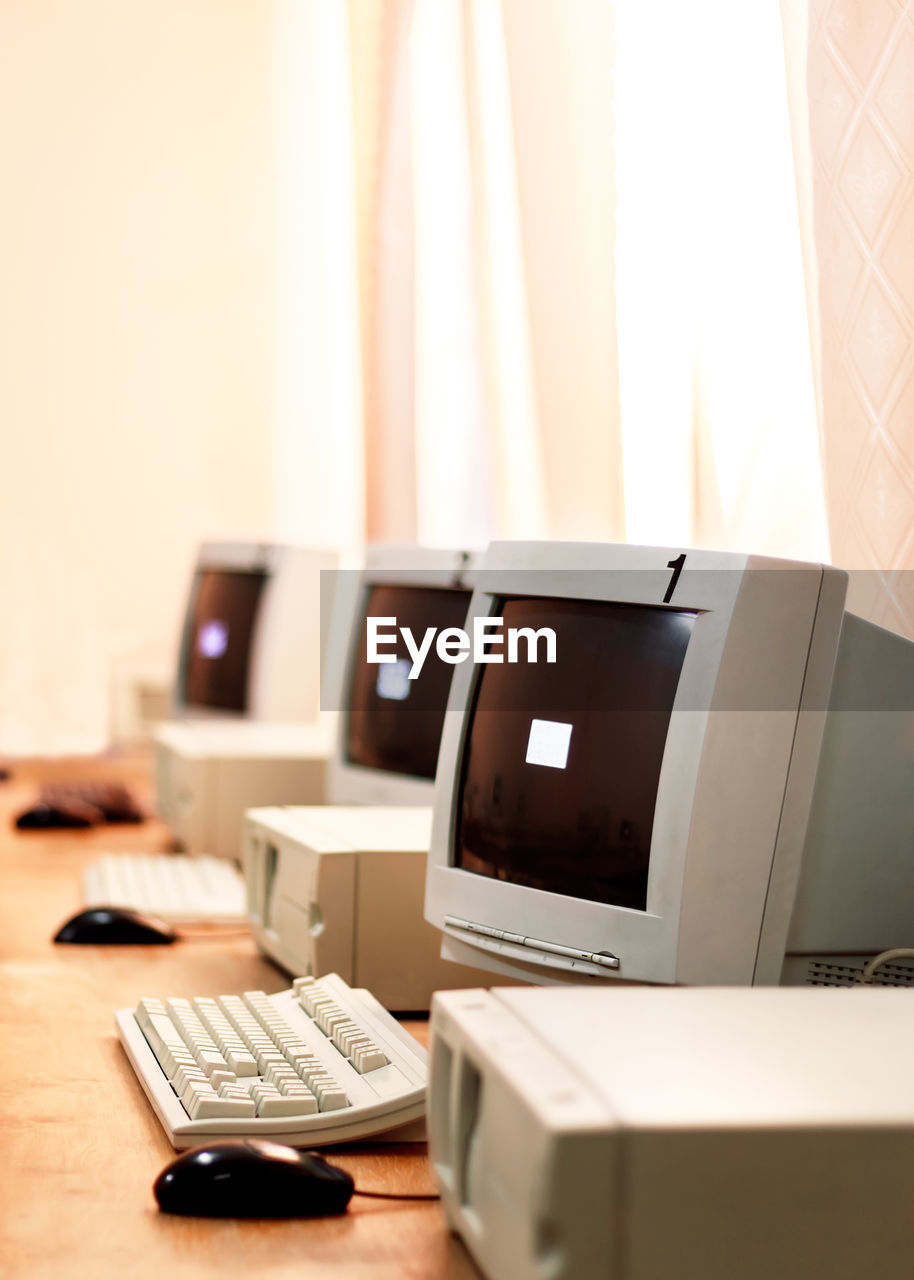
51	817
250	1178
115	925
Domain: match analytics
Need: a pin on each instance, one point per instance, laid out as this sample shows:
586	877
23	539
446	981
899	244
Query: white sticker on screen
548	743
393	680
212	638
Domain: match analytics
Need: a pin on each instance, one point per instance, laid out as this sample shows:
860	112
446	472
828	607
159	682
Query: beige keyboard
176	887
321	1063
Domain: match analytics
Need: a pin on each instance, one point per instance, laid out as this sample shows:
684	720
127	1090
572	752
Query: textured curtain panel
861	123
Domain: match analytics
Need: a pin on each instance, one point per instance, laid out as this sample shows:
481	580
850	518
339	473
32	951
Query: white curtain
316	426
606	277
718	407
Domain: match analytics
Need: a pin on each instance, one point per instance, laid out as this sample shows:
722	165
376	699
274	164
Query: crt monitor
709	782
389	724
251	639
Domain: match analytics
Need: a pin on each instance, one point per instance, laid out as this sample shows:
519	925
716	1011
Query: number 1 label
676	566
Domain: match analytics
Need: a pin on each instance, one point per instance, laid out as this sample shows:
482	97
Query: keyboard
320	1063
93	801
178	888
80	804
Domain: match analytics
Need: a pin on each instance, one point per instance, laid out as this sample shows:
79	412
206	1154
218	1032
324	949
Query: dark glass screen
561	762
394	723
216	646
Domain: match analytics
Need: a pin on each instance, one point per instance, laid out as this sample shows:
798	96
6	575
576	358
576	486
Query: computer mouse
49	817
116	925
252	1178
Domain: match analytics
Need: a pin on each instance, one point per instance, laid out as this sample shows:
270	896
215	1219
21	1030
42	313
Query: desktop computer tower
339	889
698	1133
209	772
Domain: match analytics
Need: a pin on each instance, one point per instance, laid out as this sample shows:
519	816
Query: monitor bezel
283	682
385	565
674	939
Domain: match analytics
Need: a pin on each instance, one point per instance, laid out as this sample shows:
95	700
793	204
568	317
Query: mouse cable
215	934
897	953
396	1195
390	1195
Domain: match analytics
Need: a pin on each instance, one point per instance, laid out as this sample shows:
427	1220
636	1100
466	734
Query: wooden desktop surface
80	1147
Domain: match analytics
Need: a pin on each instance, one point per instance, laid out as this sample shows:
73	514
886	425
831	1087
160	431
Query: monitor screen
561	761
218	635
394	723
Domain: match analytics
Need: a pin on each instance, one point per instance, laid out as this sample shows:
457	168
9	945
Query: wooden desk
80	1146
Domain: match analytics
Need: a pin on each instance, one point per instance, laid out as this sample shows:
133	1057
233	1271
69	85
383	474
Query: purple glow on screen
212	638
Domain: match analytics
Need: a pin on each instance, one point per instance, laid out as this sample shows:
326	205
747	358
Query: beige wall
137	283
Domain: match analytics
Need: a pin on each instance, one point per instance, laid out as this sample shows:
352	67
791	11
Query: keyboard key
241	1062
330	1096
368	1059
184	1075
203	1103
